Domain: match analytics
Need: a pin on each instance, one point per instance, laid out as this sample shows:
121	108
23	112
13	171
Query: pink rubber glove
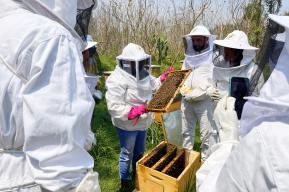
136	112
165	75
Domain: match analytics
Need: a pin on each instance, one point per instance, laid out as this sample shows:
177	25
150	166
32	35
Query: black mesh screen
82	21
268	55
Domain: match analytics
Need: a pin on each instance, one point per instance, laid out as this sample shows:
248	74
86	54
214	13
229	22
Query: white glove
98	94
89	183
226	119
89	141
190	94
213	93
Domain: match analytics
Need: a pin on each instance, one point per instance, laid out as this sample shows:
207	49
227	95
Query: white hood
194	61
63	12
133	52
273	101
60	11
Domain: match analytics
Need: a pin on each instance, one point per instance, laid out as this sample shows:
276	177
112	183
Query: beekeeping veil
84	11
273	101
273	45
193	58
135	61
222	72
235	40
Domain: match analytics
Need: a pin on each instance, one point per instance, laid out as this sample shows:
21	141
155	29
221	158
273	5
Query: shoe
133	176
124	186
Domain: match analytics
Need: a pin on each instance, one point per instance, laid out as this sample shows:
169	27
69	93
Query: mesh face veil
138	69
83	18
273	44
192	48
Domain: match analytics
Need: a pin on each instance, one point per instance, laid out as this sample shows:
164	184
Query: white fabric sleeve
57	111
207	175
250	166
89	183
115	98
247	168
196	93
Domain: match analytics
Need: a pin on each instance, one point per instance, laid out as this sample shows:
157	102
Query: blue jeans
132	145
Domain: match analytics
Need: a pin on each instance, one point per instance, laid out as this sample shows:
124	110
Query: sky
285	6
220	10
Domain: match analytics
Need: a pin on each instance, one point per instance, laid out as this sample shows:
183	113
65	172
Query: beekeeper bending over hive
129	88
46	106
260	161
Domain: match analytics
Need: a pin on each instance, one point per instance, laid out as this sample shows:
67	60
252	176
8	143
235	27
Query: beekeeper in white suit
260	161
196	106
235	59
46	106
129	88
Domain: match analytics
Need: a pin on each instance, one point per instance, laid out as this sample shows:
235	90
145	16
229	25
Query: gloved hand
213	93
136	112
191	95
165	75
185	90
226	119
89	183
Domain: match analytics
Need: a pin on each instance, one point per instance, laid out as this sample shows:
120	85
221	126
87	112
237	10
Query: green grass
107	63
106	151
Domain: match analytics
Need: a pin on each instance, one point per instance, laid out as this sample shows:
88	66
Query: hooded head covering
63	12
222	73
235	40
194	59
135	61
273	101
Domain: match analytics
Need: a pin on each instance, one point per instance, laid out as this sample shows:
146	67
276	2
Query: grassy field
106	151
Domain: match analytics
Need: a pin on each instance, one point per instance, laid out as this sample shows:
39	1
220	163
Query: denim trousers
132	145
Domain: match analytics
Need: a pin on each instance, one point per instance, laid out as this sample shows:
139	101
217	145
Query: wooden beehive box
166	94
151	180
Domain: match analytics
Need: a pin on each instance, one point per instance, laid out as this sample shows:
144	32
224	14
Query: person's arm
209	172
57	111
202	91
245	166
227	122
115	98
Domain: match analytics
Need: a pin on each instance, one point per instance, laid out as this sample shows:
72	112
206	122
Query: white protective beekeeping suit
128	87
260	161
46	107
195	106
